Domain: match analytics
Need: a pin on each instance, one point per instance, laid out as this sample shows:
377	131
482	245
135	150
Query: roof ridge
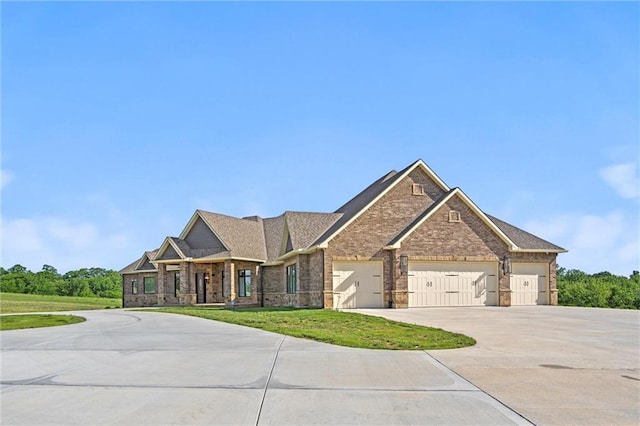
228	216
303	212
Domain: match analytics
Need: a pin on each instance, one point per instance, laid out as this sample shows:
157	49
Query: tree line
575	288
601	290
85	282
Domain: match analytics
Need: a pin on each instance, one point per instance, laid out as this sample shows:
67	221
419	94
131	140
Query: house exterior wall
316	278
213	289
438	239
549	259
187	285
141	299
374	229
366	236
231	280
273	285
169	296
309	282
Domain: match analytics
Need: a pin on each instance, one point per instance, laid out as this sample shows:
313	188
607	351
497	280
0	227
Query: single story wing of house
407	240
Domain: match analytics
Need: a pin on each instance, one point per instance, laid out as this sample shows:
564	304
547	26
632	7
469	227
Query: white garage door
529	284
452	284
357	285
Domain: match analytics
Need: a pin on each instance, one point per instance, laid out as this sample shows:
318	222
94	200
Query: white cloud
76	235
596	243
623	178
62	243
21	234
593	232
5	178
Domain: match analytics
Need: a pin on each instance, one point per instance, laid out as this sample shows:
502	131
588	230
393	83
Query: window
149	284
134	286
417	189
454	216
292	284
224	293
176	283
244	282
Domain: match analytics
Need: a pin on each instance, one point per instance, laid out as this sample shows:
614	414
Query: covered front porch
194	282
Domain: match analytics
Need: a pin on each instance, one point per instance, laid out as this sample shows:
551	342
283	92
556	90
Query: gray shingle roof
182	245
243	237
131	268
262	239
523	239
273	233
305	227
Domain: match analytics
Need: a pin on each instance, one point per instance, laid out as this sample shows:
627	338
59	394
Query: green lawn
336	327
12	303
14	322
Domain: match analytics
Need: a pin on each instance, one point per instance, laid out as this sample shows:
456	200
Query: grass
14	322
12	303
338	328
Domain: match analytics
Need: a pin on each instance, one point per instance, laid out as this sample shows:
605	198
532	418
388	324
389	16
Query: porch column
161	280
187	286
229	281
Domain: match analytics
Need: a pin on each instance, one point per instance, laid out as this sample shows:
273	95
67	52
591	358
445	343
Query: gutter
292	253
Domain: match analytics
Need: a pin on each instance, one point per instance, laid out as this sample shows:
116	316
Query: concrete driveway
551	364
124	367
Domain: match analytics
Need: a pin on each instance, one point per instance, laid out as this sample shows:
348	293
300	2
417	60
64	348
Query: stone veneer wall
366	236
309	277
272	282
213	290
231	269
141	299
547	258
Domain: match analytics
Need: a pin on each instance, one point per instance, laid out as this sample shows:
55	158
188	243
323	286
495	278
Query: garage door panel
529	284
452	284
357	285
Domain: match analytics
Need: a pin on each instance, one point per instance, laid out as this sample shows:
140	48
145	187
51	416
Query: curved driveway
125	367
552	364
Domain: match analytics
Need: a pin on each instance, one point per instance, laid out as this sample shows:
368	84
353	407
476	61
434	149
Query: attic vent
454	216
417	189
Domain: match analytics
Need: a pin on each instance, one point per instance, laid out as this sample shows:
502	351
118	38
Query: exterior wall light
506	265
404	264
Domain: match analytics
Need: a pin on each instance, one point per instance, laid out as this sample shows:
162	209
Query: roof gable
142	264
200	236
374	192
396	242
169	250
243	238
145	262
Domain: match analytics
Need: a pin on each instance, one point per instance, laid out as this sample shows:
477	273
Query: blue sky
120	119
